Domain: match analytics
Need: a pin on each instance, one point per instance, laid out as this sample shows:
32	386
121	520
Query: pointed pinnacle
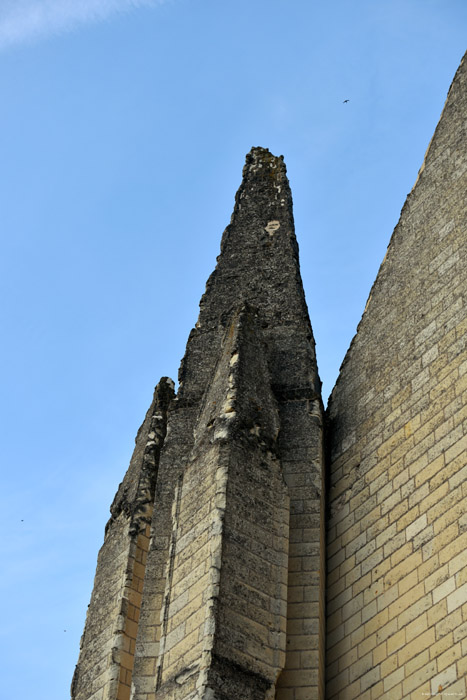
258	265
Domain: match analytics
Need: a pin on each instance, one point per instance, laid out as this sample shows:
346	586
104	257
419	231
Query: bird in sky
345	101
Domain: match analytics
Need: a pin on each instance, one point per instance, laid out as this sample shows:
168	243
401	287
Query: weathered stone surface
135	495
398	446
232	605
107	646
257	268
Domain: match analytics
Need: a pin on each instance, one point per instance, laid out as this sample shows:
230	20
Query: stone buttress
223	620
232	603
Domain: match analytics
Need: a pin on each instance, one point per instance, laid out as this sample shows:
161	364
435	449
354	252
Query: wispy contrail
26	20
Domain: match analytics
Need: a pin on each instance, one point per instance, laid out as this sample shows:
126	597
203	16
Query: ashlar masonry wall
397	531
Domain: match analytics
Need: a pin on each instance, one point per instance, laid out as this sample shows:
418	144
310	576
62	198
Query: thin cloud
29	20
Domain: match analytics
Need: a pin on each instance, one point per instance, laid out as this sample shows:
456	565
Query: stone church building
259	548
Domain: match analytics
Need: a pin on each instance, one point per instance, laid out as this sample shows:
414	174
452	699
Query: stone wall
397	531
211	581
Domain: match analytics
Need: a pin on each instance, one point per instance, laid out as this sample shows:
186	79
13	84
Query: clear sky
123	131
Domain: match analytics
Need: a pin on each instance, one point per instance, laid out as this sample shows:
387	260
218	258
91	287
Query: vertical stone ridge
135	495
234	404
106	658
236	589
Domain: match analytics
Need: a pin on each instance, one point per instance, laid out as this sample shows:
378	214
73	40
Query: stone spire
228	604
257	275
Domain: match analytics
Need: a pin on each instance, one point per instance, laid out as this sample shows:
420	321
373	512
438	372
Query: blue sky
123	131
